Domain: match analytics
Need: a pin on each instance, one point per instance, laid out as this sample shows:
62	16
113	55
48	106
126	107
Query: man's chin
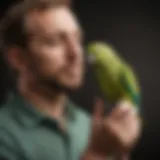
72	86
63	87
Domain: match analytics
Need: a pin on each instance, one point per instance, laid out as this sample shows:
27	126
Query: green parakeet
117	80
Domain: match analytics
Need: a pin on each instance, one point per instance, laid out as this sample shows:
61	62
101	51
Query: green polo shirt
26	134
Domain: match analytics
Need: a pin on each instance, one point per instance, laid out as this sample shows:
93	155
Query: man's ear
15	58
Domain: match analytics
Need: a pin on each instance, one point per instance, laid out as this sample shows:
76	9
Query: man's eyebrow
39	34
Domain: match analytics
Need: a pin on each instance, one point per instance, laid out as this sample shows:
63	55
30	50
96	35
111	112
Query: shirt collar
29	116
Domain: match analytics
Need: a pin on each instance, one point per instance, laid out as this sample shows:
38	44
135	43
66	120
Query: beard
47	81
54	85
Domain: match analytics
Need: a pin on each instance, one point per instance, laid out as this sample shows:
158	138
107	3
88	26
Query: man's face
55	47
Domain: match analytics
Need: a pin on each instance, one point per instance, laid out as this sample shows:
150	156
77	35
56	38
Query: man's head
42	41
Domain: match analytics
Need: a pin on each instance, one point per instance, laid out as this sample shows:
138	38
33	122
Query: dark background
133	27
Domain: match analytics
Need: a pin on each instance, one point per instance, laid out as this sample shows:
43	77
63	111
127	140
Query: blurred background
133	27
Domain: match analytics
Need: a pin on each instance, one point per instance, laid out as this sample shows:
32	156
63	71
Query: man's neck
44	99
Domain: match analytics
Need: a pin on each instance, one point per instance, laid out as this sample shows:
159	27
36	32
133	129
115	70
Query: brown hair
12	31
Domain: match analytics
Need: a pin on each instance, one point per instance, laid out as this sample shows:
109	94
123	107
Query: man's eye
52	41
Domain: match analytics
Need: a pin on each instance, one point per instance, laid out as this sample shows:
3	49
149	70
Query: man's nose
73	50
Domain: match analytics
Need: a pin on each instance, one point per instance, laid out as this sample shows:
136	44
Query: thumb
98	109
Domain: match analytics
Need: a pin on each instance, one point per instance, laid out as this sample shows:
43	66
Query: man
42	44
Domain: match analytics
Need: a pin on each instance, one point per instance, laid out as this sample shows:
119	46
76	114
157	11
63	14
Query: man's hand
115	134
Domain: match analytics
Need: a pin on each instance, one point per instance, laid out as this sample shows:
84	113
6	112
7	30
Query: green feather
116	79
